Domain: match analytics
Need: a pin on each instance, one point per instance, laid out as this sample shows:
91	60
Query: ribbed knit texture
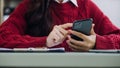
12	31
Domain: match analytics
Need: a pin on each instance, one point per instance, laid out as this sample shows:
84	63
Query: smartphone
83	26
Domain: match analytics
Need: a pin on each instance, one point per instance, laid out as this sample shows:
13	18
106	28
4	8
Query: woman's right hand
58	35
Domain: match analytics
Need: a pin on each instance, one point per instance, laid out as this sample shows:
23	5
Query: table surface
67	59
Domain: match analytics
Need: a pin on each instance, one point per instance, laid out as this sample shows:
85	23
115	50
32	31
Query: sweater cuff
40	42
103	42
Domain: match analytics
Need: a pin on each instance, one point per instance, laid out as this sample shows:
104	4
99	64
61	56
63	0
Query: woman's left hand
86	45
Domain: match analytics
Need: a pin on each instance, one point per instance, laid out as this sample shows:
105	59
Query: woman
47	23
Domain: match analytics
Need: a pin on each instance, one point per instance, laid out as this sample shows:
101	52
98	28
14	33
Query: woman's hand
85	45
58	35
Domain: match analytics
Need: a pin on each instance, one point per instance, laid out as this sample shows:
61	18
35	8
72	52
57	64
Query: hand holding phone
83	26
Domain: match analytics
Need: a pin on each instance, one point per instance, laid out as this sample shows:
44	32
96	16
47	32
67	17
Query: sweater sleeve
108	35
12	31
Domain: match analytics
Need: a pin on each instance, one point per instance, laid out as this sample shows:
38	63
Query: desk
59	60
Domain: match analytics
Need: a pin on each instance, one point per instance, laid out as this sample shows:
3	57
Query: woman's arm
108	35
12	31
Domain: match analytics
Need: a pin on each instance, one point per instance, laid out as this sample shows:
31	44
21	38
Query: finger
78	34
76	48
58	32
92	30
56	38
55	27
68	25
79	50
63	31
77	43
60	37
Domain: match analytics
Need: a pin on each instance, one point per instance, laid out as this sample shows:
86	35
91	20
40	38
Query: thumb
67	25
92	30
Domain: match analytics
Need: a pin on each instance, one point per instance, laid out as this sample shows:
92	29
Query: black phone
84	26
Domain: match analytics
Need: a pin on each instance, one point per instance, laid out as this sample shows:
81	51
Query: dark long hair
39	22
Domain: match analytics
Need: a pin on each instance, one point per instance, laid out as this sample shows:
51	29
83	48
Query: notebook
54	50
105	51
32	50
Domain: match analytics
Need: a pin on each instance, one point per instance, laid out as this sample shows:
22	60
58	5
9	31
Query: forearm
22	41
108	42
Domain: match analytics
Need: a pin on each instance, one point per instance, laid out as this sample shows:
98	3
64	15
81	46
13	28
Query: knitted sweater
12	31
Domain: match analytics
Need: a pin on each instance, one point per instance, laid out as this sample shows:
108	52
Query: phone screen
83	26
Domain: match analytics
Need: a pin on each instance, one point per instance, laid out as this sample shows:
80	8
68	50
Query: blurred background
111	8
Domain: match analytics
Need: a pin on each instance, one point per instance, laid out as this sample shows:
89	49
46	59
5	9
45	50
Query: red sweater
12	31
